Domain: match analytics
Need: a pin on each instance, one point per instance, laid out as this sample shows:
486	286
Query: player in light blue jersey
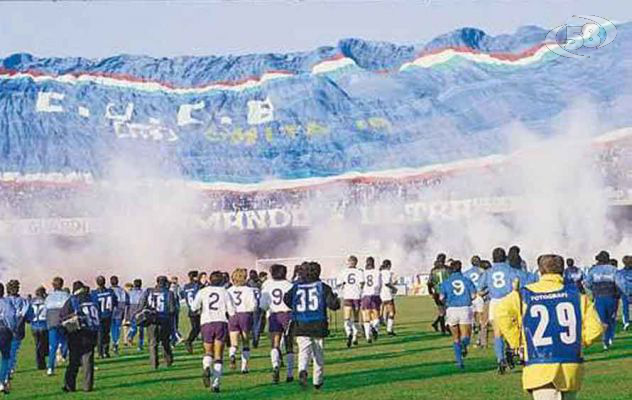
623	280
499	281
118	314
574	275
24	315
474	274
457	293
600	280
8	326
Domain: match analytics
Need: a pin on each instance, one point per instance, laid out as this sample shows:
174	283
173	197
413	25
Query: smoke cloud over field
150	228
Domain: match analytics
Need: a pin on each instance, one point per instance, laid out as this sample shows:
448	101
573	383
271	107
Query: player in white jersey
215	304
387	296
279	317
371	301
351	281
240	324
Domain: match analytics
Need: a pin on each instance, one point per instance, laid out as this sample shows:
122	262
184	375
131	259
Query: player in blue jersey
498	281
188	293
474	274
135	299
457	293
122	302
8	325
24	315
56	334
624	284
309	300
107	301
39	329
83	339
574	275
163	302
600	280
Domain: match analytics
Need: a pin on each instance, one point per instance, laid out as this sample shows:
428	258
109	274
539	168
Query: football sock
275	357
354	329
376	324
499	349
232	351
245	356
367	330
348	327
207	361
389	324
465	341
289	357
217	373
457	353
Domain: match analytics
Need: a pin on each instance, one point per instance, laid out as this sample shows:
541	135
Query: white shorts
478	304
458	316
493	303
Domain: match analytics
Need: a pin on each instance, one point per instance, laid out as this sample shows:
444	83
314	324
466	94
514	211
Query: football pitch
417	364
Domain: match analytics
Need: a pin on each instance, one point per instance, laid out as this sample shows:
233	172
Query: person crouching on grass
214	303
309	300
552	322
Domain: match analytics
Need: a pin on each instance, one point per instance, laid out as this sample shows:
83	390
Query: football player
624	283
162	301
107	301
39	328
279	317
573	274
24	315
8	323
499	281
56	334
478	304
387	296
457	293
438	274
135	302
240	324
122	302
214	303
600	280
188	292
81	343
371	301
351	280
309	300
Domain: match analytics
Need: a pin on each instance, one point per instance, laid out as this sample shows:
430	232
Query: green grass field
417	364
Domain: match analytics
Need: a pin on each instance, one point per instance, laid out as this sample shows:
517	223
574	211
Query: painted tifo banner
355	107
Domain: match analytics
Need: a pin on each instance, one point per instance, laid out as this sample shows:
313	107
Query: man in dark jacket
309	300
106	300
81	342
188	292
163	302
